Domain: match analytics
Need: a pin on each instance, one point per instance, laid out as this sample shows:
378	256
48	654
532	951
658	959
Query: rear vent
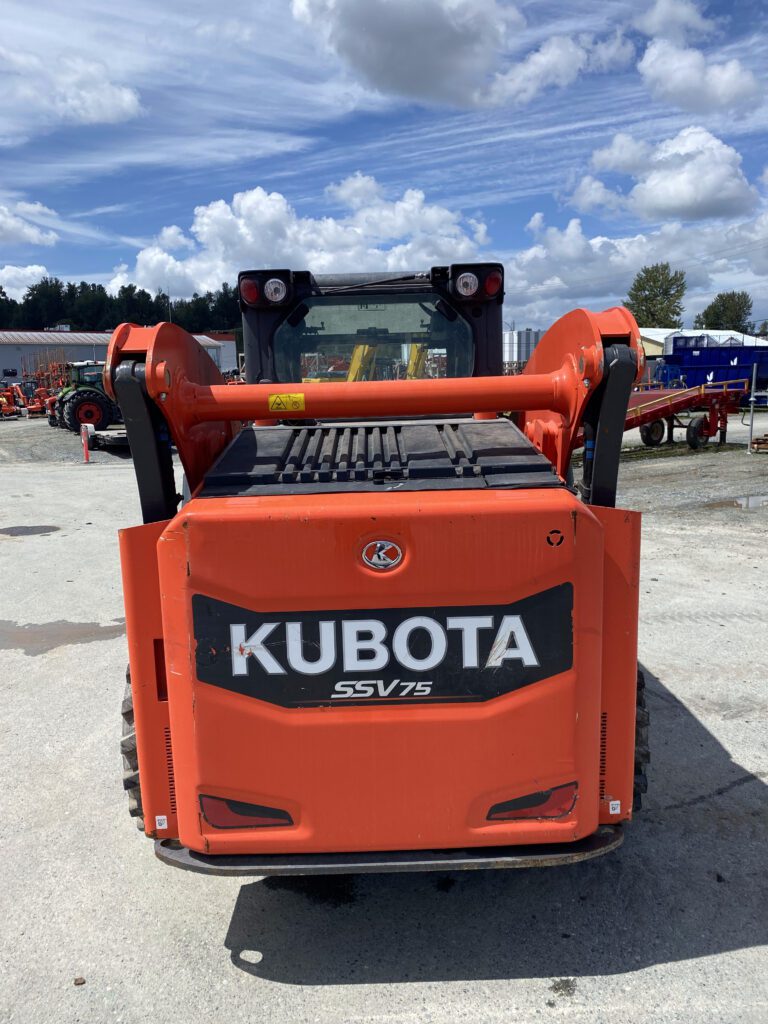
414	455
169	765
603	746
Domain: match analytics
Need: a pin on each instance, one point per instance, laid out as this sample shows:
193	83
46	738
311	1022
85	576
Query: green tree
161	311
90	307
194	314
763	332
225	309
8	307
134	306
728	311
43	304
656	296
93	309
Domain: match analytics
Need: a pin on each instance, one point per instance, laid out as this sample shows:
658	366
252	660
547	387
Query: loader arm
579	378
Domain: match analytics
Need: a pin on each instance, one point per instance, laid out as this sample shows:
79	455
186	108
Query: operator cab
302	328
87	371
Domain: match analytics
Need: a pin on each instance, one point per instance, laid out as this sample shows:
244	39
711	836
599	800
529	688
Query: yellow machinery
417	361
362	363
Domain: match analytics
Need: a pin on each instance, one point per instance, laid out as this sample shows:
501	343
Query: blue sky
172	145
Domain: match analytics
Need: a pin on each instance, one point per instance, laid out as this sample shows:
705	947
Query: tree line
90	307
655	298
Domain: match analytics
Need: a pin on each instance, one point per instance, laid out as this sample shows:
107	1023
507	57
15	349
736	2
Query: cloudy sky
173	144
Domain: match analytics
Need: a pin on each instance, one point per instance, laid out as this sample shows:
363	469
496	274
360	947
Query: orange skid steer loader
383	630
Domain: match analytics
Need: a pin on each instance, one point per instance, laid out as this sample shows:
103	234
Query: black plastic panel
396	456
276	656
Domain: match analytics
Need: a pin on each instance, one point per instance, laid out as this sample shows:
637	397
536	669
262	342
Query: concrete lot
673	927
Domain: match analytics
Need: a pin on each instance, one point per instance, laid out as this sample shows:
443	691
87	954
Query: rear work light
249	291
275	290
548	803
221	813
467	285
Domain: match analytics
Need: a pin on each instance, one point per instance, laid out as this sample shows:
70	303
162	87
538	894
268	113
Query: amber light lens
222	813
547	803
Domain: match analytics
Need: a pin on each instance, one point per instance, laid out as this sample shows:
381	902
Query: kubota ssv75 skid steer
384	630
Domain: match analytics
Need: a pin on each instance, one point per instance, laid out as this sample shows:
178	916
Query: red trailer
656	411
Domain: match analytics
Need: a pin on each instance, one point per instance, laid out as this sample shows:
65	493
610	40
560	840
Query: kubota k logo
382	554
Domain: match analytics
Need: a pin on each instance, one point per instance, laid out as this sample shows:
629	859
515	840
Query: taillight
275	290
249	291
492	284
477	282
547	803
235	814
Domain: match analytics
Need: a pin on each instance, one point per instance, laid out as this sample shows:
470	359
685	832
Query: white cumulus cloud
558	62
677	20
566	267
17	229
684	78
15	280
623	154
454	51
67	89
693	176
172	238
611	54
436	50
593	194
260	228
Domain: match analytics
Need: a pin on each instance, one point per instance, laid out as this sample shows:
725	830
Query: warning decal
286	403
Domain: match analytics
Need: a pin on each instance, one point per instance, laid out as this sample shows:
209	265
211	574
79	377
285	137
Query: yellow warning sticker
287	403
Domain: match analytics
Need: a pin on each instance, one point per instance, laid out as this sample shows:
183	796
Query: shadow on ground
688	882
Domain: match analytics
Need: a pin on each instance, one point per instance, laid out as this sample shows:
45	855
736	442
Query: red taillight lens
492	284
249	291
235	814
548	803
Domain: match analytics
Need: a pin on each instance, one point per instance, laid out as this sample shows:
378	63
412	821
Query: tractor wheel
694	432
131	782
52	421
642	749
652	434
86	406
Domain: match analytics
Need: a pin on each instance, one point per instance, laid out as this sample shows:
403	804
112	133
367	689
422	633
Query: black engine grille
420	455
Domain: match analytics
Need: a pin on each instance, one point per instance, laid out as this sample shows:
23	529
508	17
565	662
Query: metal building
23	351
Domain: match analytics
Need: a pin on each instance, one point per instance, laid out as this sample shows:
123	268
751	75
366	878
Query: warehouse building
24	351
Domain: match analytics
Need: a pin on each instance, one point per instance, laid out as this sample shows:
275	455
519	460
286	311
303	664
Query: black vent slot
169	765
420	455
603	750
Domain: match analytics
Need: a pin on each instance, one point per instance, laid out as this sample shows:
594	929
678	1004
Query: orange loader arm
562	390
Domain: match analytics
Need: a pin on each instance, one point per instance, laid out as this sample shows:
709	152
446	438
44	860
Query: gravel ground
673	927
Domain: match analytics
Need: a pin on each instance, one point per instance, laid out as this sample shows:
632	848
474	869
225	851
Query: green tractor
83	400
